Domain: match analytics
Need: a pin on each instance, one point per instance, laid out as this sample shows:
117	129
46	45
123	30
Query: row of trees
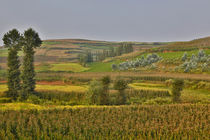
99	91
96	56
21	83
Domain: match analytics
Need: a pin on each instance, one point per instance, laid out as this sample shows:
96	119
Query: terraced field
58	88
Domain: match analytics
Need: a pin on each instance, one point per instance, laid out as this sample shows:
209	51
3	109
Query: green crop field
3	52
72	67
100	67
61	67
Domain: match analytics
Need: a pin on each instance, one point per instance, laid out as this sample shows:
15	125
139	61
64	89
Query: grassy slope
60	67
74	67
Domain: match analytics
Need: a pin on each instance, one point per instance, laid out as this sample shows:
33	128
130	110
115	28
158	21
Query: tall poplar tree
31	41
12	40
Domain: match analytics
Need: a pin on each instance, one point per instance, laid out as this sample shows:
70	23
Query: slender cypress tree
31	41
12	40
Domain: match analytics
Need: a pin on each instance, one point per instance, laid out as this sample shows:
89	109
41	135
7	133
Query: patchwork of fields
64	106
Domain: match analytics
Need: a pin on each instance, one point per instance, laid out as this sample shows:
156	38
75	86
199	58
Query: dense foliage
31	41
177	87
104	95
12	40
134	122
121	85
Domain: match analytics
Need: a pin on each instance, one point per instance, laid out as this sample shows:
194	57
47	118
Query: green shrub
94	92
121	85
169	82
104	95
177	87
34	99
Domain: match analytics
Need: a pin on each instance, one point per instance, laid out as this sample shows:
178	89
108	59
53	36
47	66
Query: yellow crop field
3	88
29	106
139	86
62	88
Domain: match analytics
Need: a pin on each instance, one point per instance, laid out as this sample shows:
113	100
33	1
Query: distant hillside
59	55
202	43
67	50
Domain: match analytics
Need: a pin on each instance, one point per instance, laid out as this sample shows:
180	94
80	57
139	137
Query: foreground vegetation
126	122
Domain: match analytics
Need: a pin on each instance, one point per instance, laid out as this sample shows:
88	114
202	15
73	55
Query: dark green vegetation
177	87
30	42
12	41
121	85
117	123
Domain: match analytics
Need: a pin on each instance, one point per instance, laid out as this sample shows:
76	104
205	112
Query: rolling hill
67	50
202	43
55	53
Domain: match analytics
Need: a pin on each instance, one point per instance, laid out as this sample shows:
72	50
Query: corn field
117	123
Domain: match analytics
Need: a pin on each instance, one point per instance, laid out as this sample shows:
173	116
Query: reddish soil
3	82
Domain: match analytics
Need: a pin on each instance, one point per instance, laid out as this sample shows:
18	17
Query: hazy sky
117	20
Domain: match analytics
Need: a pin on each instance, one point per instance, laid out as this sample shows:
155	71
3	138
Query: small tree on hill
12	41
121	85
31	41
184	57
114	67
104	96
177	87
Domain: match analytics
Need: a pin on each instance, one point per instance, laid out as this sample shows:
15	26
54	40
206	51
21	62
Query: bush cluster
140	62
201	60
99	92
